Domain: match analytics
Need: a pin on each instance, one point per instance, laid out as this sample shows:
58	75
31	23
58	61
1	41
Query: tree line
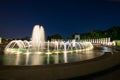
113	33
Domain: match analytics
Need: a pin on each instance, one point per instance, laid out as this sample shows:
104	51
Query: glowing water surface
57	58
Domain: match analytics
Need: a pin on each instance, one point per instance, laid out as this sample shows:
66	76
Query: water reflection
40	59
56	58
27	58
65	57
17	59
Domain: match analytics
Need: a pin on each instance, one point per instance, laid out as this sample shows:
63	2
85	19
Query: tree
55	36
113	33
26	38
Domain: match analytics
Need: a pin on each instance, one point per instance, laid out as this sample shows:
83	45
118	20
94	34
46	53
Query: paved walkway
109	74
112	73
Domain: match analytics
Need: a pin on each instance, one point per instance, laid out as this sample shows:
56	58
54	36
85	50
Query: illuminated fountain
40	52
38	38
39	45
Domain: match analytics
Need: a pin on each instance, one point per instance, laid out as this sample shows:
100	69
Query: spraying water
39	45
38	38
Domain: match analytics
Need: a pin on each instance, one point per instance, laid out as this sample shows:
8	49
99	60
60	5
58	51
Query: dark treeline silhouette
113	33
55	36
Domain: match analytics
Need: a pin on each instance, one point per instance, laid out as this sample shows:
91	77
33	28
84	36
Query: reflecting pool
56	58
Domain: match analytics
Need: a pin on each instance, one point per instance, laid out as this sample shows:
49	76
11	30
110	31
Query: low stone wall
59	71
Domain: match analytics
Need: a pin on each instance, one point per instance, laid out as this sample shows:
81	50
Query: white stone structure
103	41
77	37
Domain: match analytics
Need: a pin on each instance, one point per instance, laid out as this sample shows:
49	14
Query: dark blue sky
18	17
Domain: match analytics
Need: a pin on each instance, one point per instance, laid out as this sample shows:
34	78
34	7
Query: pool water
56	58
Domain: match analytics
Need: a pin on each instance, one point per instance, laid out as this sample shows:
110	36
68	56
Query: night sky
18	17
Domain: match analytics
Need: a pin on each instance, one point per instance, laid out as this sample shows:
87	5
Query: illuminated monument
39	45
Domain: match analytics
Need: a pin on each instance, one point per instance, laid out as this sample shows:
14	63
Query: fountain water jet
39	45
38	38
